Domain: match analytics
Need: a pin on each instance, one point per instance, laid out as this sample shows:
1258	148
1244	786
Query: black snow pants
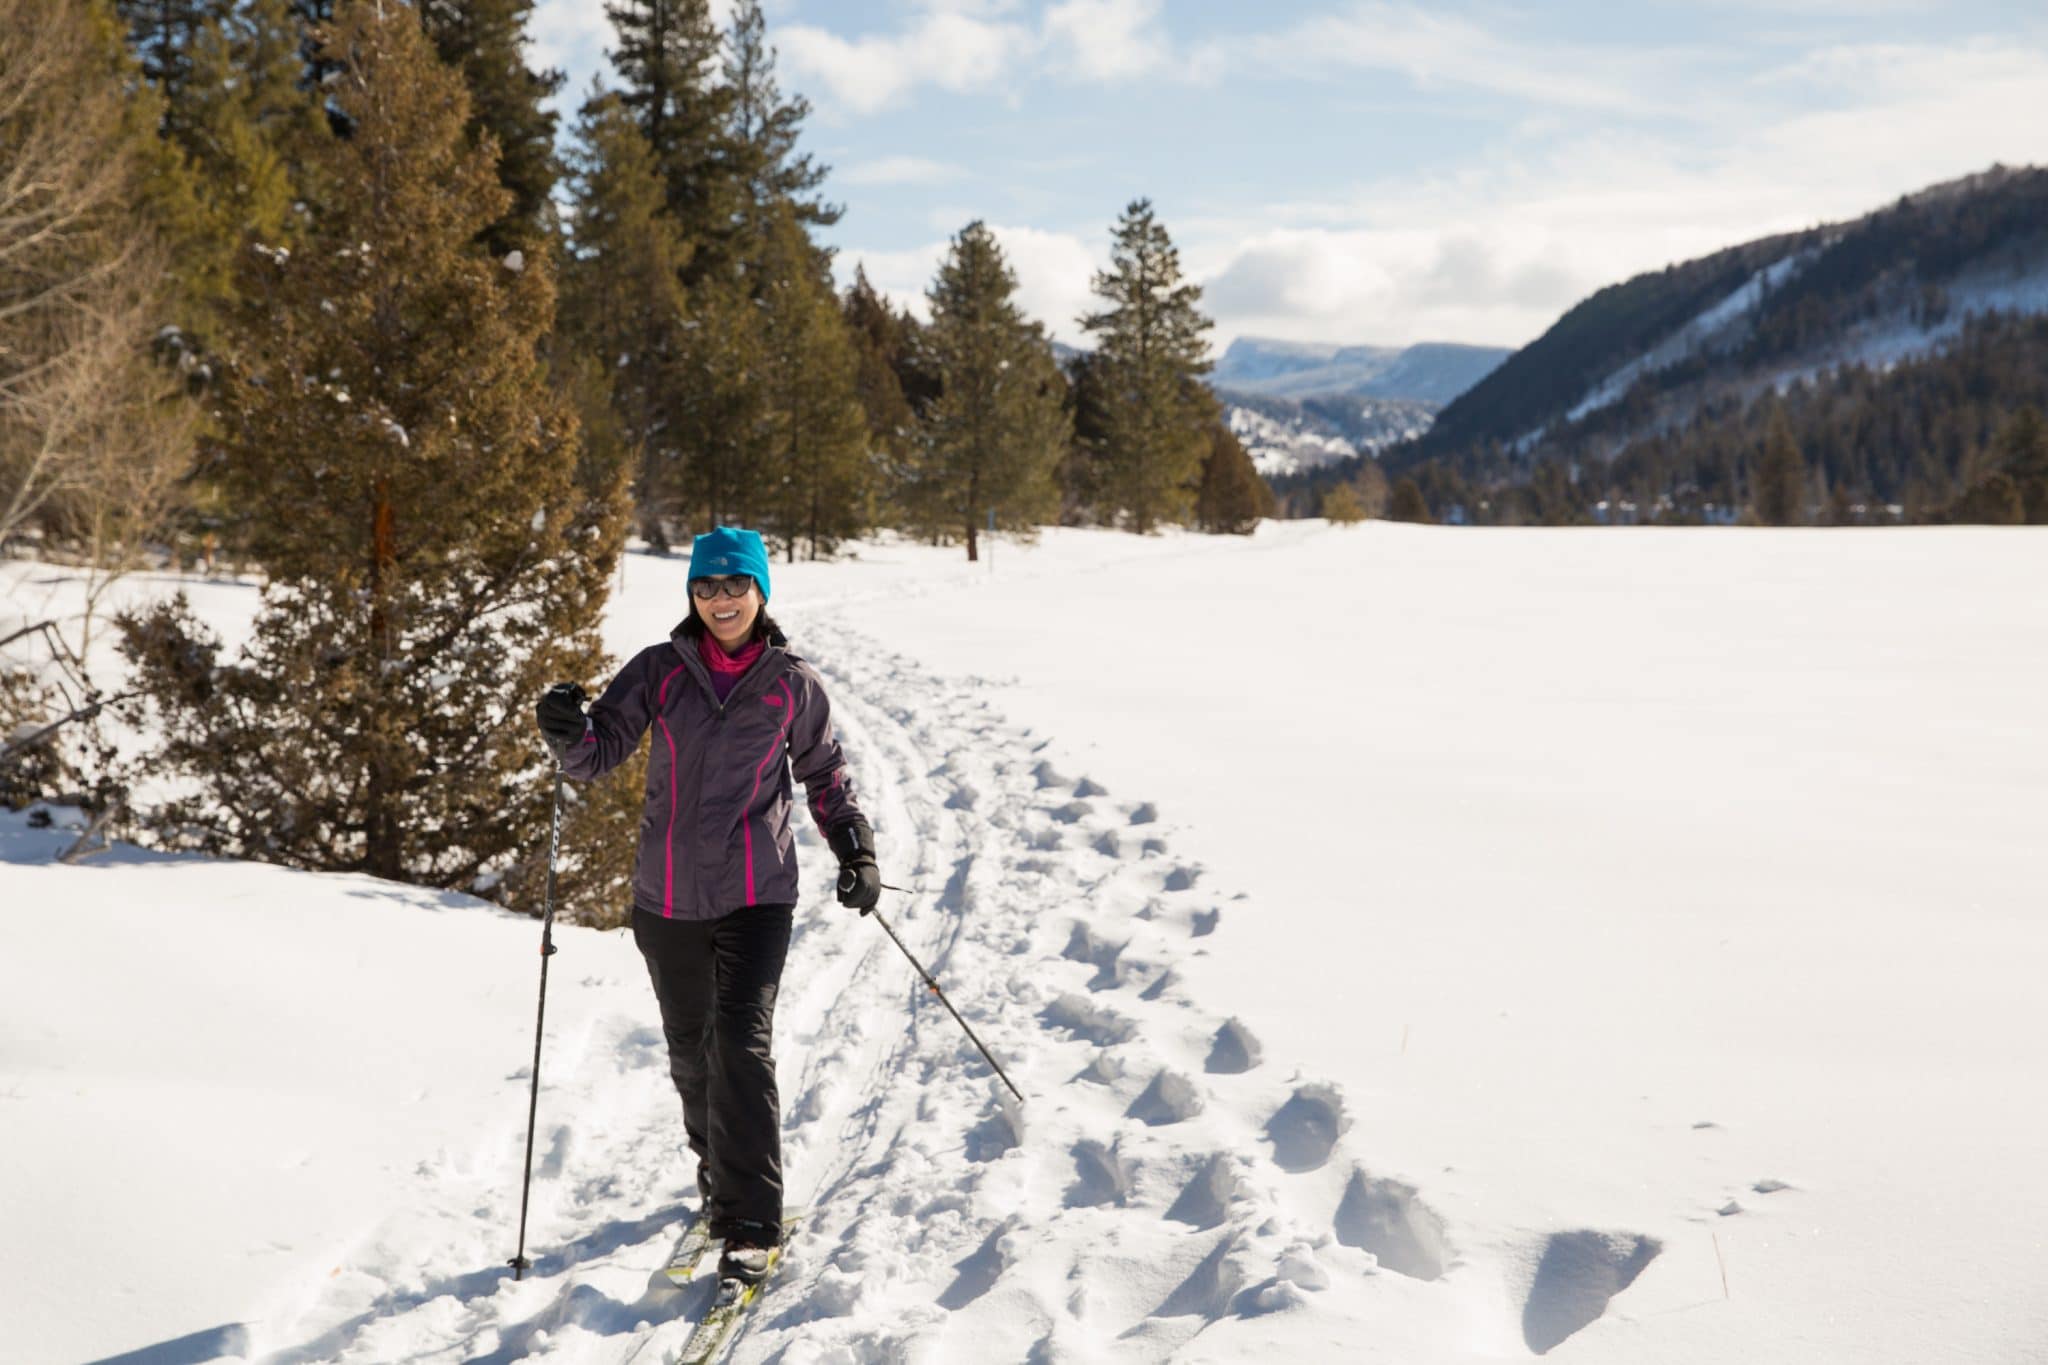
716	982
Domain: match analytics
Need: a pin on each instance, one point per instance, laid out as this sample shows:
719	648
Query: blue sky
1373	171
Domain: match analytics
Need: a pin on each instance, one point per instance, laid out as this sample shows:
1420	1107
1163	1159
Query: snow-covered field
1414	944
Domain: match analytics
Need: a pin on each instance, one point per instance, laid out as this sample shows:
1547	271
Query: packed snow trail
1164	1181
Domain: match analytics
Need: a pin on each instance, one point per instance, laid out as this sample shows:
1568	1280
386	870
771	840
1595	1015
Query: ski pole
933	984
519	1263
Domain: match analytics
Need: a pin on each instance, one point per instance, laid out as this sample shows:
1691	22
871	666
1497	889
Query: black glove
560	714
860	881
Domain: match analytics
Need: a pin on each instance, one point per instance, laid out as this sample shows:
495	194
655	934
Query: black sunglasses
704	589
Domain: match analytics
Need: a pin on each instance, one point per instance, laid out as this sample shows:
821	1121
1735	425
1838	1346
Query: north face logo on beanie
728	550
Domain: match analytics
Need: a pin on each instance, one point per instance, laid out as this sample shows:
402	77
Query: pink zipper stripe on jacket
788	704
668	869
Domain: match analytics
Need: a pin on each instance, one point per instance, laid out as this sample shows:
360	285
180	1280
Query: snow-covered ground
1414	945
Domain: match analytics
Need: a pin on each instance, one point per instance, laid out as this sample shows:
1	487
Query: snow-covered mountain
1432	372
1284	436
1295	405
1904	331
1648	354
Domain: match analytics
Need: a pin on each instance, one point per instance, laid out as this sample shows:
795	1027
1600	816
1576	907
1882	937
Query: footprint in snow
1204	1202
1208	1291
1577	1276
1084	1019
1100	954
1104	1176
1000	1132
1305	1130
1389	1219
1235	1050
977	1273
1171	1098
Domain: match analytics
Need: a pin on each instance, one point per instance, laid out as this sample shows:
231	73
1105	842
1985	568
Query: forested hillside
1894	355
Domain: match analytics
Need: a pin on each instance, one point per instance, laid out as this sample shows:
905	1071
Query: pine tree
1779	492
485	41
1082	477
1342	505
667	61
2021	448
1151	342
165	36
762	135
222	171
437	551
320	63
998	429
812	484
267	40
877	335
1555	497
818	484
623	298
594	872
1233	497
1406	503
1993	500
242	122
720	402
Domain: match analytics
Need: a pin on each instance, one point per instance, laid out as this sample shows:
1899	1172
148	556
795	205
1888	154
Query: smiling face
729	619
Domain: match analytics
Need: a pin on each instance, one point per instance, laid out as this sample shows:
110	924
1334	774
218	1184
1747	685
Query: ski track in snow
1164	1175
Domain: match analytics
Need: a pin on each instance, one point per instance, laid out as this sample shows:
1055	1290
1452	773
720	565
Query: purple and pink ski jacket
714	833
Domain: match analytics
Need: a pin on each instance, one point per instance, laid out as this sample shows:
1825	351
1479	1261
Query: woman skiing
715	882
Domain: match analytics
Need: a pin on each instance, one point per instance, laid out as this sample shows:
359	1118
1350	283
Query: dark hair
765	630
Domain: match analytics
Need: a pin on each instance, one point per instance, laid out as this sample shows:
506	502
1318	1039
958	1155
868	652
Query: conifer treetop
1153	314
765	126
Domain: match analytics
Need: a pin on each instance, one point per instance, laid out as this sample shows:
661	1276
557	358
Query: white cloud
569	36
1493	252
1391	286
1053	274
1435	50
1105	40
898	170
982	45
955	51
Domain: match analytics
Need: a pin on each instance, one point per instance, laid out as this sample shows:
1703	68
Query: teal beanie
729	550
